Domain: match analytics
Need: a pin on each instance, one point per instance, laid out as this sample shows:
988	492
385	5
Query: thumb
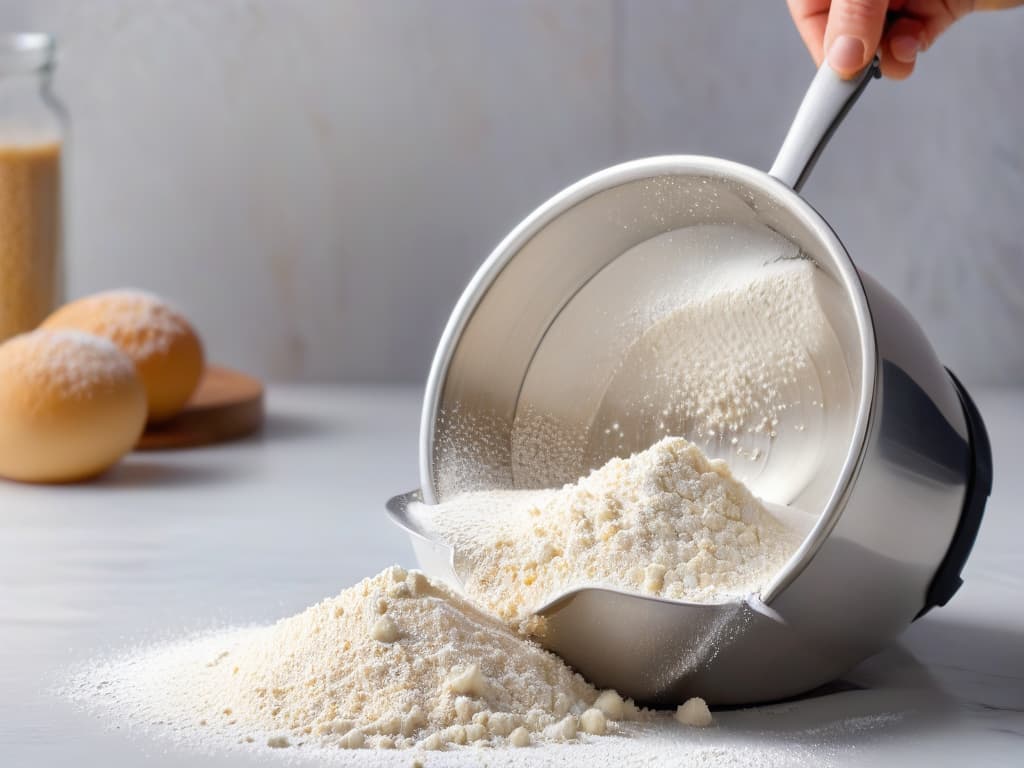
853	33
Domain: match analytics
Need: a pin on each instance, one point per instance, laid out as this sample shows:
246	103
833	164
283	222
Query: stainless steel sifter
896	468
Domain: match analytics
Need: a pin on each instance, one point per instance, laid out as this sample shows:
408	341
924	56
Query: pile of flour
396	661
667	521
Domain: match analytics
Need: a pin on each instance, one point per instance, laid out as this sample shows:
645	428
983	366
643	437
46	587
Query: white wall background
315	180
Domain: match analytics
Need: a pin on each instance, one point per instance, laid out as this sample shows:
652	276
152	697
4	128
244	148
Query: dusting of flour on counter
667	521
396	661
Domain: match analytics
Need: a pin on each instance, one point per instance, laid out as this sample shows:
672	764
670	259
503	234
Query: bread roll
71	405
165	348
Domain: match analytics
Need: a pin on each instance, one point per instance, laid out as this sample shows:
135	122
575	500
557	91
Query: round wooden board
226	405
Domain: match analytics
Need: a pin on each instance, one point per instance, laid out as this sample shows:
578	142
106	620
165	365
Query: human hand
850	32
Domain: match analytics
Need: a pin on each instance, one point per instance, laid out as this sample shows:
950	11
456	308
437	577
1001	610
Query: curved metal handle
825	104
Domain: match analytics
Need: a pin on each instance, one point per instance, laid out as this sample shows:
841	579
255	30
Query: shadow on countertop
142	471
942	673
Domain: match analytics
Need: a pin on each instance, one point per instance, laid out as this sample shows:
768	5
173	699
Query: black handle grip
947	579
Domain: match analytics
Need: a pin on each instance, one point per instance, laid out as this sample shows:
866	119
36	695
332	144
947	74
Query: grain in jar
31	153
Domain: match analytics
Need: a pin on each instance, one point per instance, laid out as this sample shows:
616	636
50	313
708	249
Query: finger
996	5
893	68
853	33
900	47
942	18
810	17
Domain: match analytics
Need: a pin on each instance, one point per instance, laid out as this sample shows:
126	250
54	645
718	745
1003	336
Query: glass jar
32	131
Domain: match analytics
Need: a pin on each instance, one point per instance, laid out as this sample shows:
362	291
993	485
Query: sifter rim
650	168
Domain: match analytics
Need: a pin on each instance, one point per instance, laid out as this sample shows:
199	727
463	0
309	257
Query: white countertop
257	530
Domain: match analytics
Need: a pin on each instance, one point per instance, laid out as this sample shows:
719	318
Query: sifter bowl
538	379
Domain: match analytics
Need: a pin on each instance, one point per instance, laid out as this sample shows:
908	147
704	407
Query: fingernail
846	54
904	48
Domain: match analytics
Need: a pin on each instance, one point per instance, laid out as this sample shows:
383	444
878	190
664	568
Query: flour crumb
384	630
469	681
520	737
611	704
593	721
694	712
564	730
354	739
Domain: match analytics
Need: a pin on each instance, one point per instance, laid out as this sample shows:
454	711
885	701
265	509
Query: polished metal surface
434	556
825	104
543	327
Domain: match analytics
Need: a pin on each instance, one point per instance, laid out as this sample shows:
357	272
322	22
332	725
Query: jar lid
26	52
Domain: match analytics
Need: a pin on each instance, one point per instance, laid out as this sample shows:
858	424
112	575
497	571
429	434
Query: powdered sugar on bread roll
159	339
71	404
